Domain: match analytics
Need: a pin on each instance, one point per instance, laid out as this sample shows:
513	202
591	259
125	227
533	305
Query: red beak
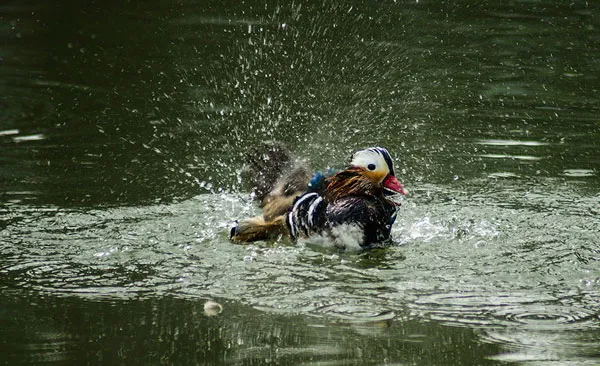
391	183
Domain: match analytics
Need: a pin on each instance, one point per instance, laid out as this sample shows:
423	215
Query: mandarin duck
354	200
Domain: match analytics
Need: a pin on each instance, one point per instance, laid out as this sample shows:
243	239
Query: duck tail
277	180
257	228
265	164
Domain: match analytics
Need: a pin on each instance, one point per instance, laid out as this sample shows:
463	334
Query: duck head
376	164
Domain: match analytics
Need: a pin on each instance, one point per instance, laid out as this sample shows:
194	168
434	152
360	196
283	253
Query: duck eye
371	167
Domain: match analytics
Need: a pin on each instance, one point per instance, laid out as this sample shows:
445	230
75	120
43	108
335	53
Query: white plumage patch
347	237
295	223
375	159
311	210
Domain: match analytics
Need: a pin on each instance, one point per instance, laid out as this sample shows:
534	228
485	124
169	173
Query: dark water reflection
175	91
95	332
123	128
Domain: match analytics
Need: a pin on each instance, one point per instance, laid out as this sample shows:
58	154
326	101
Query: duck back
372	216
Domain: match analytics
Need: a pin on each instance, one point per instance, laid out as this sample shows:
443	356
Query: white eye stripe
370	159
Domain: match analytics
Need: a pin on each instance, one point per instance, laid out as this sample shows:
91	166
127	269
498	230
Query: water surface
123	131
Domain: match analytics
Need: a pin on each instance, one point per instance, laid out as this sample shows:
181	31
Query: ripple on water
540	316
545	332
538	311
27	138
60	277
119	252
530	326
497	142
579	173
182	249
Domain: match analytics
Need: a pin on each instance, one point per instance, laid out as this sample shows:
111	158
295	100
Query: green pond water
123	131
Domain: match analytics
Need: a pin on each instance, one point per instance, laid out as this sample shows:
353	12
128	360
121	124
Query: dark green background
123	129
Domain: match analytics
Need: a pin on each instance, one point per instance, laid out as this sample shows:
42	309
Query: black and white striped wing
307	215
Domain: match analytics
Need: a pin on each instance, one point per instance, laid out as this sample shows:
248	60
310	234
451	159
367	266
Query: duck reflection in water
352	205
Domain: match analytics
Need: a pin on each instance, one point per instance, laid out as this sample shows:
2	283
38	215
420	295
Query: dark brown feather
277	181
289	186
